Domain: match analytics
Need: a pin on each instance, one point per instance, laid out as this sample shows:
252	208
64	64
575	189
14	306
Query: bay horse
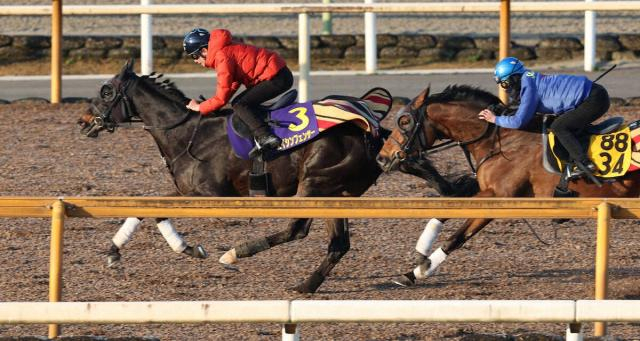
339	162
508	162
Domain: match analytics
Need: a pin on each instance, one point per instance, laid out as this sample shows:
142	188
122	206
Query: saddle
240	128
299	123
613	146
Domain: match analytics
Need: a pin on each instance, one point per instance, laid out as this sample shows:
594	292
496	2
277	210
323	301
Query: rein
173	125
417	131
187	150
115	93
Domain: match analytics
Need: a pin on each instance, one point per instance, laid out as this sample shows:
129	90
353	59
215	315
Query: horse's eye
107	93
405	123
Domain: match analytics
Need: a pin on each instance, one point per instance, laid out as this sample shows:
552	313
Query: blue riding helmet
195	40
508	67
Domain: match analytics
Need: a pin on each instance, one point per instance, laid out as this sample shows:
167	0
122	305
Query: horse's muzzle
388	164
89	129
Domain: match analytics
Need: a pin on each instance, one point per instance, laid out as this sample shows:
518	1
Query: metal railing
58	209
303	10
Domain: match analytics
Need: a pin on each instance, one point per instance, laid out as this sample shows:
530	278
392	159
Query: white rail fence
292	313
146	9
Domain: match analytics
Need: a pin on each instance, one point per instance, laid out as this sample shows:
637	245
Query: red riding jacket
236	64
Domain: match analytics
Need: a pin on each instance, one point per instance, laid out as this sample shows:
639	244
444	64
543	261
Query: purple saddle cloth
295	124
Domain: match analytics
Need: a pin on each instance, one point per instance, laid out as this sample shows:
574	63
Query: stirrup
585	172
257	151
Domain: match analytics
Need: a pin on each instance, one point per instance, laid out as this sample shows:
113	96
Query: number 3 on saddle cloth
612	146
297	124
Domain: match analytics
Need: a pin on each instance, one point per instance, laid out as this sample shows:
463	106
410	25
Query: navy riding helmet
195	40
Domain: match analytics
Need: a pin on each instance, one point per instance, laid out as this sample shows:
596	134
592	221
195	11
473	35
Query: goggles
195	55
505	84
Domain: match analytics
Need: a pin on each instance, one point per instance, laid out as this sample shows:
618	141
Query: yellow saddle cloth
615	154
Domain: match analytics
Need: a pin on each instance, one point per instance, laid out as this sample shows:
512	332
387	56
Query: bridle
412	122
112	93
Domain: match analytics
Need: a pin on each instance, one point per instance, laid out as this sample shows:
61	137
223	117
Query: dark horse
340	162
508	162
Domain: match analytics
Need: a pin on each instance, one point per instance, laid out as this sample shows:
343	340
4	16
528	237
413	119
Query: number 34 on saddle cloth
614	153
300	123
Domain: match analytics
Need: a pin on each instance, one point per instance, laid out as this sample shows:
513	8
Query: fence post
589	39
56	51
326	20
146	41
574	332
504	40
370	43
290	332
304	55
602	260
55	262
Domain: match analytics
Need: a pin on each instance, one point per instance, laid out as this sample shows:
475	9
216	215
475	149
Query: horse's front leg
122	237
297	229
338	230
176	242
427	266
165	226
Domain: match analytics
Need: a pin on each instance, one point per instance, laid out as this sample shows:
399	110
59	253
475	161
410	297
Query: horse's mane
166	87
464	93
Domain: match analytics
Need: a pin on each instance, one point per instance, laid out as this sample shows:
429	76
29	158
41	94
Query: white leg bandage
437	257
428	236
171	235
125	232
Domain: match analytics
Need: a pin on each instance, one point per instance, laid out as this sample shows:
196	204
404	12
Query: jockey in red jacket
264	74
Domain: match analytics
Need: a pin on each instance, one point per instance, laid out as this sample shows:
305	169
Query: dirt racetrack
43	154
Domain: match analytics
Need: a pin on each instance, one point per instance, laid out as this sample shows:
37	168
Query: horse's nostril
400	155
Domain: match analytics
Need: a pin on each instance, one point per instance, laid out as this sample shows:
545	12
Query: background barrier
537	208
369	9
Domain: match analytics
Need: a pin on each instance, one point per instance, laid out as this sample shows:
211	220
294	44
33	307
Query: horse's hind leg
297	229
175	240
122	237
339	244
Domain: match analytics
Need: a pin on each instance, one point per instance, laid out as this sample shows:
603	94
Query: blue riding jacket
547	94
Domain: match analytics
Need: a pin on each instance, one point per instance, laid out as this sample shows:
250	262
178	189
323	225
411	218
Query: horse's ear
127	68
419	100
129	64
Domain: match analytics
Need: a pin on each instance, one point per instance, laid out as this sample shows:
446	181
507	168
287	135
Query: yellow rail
103	207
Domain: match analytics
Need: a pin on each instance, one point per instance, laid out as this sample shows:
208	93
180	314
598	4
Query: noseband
411	125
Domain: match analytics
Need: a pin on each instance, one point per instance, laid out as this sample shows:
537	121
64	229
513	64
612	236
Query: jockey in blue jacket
576	101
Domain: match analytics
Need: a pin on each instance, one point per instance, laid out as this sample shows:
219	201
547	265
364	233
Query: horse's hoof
113	259
229	257
200	252
404	281
299	288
